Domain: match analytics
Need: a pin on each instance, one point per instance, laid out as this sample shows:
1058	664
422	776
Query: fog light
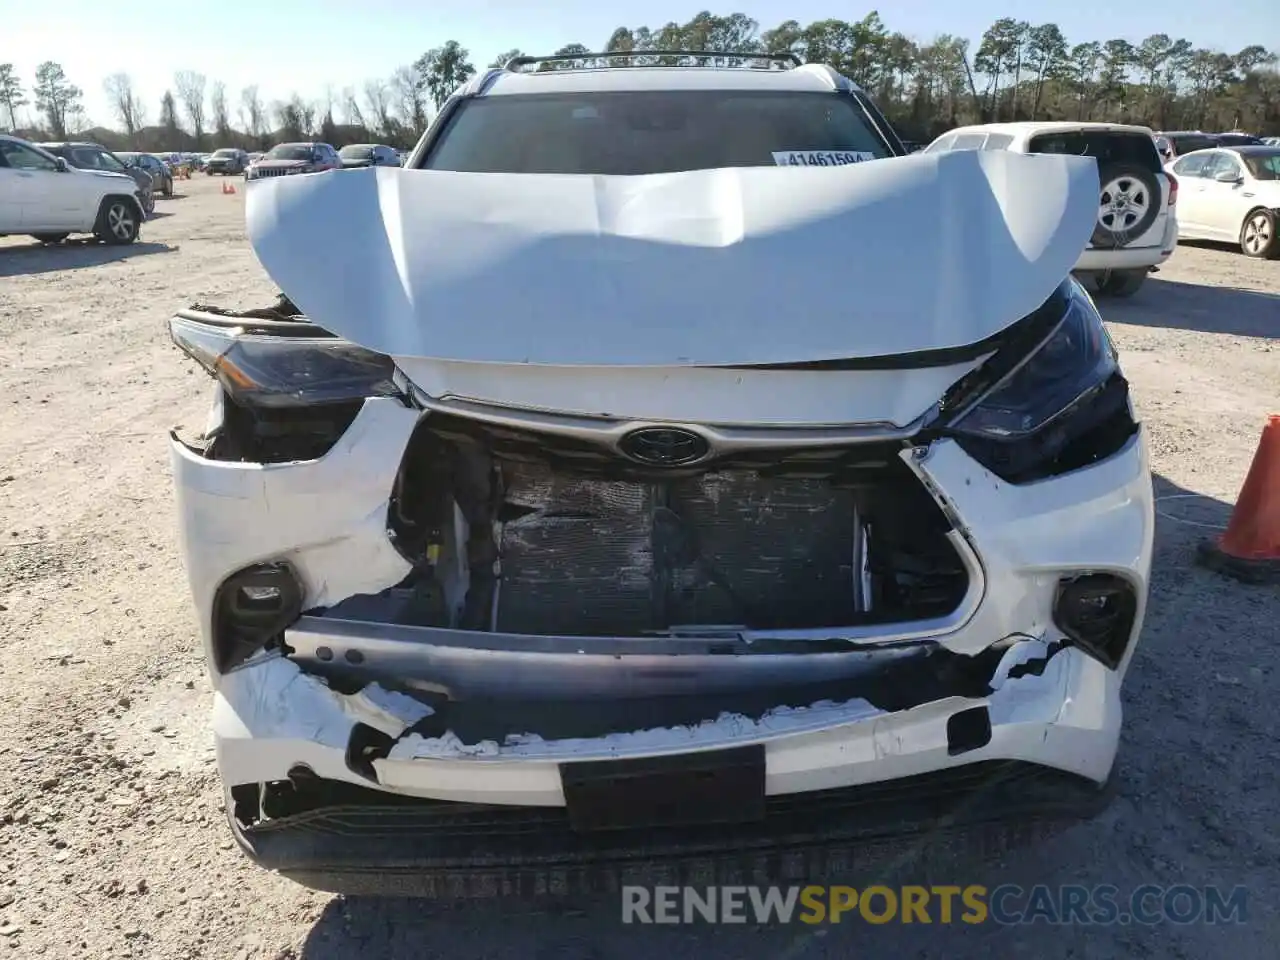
253	606
1096	612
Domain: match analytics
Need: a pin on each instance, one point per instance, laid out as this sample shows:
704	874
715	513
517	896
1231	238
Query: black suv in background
94	156
227	161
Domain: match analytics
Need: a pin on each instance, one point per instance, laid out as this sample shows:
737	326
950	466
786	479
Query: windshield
640	132
356	153
224	153
1263	166
290	151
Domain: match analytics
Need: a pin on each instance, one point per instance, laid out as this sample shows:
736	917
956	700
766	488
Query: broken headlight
1076	358
260	370
1061	406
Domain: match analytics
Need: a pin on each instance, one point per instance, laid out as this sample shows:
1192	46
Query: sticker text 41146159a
820	158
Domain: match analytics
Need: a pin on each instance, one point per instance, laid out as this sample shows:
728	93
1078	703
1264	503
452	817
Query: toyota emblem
664	446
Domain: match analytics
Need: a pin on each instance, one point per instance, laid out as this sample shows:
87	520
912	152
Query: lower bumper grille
341	837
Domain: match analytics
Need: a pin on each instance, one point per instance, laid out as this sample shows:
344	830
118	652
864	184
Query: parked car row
1155	189
310	157
1136	229
80	189
1173	144
1231	194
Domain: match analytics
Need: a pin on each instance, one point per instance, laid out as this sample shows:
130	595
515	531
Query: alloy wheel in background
1123	204
118	223
1258	235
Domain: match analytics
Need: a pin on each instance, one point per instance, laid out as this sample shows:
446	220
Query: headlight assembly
258	370
1077	357
1060	405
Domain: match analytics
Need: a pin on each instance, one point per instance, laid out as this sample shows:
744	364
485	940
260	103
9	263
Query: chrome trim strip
467	664
724	438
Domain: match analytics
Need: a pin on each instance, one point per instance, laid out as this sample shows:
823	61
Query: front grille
276	172
569	537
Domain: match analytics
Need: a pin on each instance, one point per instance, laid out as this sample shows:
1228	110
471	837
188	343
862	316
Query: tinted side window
1215	165
23	158
1104	146
1191	166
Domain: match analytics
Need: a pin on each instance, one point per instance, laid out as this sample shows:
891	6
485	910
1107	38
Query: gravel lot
111	837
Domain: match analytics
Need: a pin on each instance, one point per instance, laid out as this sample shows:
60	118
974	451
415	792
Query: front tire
1259	237
119	222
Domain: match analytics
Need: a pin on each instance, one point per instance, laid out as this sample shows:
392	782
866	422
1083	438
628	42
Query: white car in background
1231	194
675	473
42	195
1137	224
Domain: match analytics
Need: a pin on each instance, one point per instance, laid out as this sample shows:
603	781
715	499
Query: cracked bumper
270	718
327	518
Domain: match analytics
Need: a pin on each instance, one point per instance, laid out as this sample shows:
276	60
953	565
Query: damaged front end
506	555
414	604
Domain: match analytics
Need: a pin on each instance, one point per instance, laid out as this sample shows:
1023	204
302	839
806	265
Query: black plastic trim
348	839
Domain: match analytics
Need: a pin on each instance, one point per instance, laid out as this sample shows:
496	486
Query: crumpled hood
712	267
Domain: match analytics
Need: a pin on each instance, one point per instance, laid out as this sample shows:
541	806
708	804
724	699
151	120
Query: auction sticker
820	158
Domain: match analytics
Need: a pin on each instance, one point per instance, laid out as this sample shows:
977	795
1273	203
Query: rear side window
941	145
1104	146
997	141
640	132
969	141
1192	166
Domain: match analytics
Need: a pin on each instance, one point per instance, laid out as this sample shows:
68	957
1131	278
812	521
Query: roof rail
784	58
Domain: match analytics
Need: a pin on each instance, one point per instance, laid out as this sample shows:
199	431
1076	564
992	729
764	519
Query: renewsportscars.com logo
1007	904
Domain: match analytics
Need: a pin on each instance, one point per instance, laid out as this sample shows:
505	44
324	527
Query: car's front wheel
1259	236
118	222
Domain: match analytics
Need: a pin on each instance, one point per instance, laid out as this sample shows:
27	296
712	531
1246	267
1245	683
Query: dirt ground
112	842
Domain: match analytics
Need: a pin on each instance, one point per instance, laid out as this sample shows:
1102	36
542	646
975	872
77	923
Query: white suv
1137	226
42	196
664	465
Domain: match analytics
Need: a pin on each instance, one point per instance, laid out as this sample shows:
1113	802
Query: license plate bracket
712	787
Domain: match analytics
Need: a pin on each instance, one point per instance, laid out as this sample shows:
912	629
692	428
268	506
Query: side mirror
1229	176
61	164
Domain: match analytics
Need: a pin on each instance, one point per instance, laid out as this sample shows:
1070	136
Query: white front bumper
327	517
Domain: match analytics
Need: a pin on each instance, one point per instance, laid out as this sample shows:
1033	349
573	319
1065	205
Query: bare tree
253	114
409	87
191	92
218	107
11	97
352	114
288	119
125	104
378	98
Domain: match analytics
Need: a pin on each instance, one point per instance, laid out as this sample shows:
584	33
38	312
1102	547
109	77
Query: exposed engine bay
522	532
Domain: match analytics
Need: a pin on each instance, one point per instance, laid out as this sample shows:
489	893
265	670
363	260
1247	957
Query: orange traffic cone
1250	549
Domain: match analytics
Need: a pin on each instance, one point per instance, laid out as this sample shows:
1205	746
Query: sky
303	46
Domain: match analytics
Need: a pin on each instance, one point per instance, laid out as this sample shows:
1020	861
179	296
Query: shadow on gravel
1190	306
37	258
1192	808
